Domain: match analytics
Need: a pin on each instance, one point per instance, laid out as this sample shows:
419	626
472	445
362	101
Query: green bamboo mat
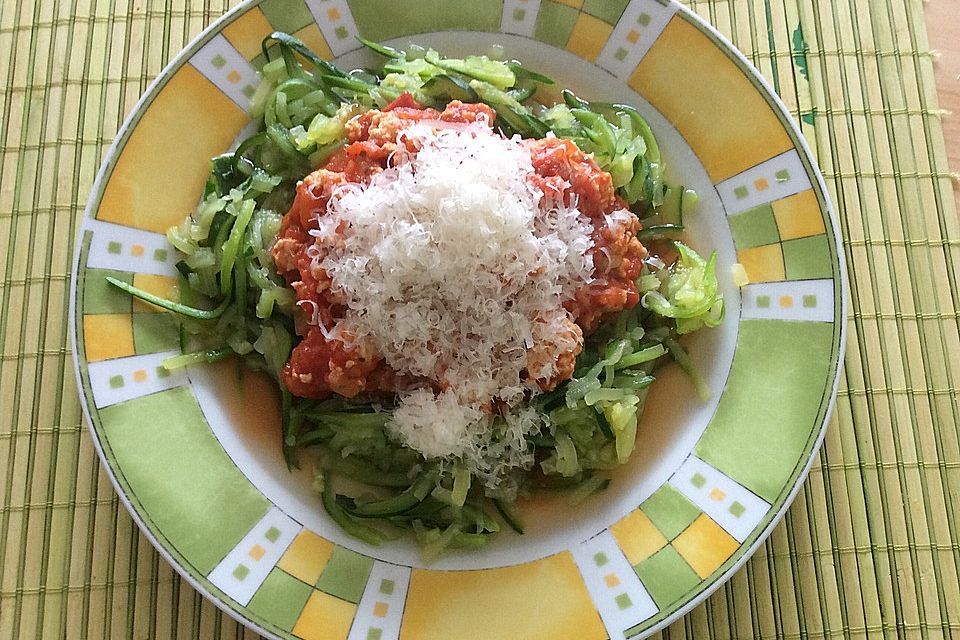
870	548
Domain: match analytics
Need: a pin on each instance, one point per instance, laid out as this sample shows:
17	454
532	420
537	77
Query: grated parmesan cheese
453	267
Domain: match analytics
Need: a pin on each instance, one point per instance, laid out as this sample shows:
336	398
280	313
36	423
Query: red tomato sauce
320	366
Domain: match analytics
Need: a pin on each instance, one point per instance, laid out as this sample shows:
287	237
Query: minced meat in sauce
320	366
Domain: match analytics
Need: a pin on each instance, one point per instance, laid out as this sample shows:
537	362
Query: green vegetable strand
169	305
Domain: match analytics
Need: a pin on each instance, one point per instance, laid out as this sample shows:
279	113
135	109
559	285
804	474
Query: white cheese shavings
452	268
441	426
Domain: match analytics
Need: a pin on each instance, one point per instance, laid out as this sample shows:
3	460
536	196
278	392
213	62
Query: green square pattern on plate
666	576
754	227
807	258
555	23
345	575
607	10
280	599
670	511
99	296
385	19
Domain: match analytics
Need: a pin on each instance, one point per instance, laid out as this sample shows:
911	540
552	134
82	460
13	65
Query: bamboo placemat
871	546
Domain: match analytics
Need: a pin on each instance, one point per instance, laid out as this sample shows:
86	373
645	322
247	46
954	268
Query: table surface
943	23
871	546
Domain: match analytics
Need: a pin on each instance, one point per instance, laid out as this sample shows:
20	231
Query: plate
195	454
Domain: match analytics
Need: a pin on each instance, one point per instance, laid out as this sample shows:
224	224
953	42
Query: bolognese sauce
323	363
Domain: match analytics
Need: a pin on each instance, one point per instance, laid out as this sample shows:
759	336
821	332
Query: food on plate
462	293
